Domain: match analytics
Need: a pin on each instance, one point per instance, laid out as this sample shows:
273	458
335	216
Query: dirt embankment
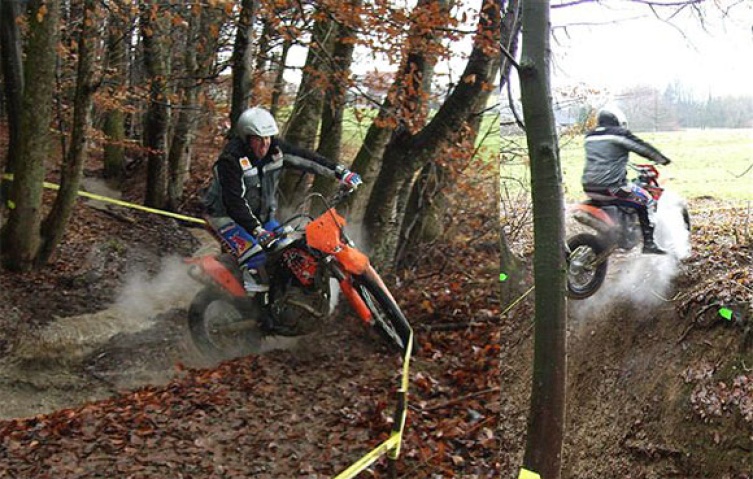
659	381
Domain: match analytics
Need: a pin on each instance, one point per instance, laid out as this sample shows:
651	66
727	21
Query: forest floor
98	374
659	362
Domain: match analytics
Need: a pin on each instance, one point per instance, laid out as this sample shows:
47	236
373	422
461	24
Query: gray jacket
245	189
607	149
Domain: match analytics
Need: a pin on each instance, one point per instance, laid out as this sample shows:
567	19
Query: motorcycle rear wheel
388	319
211	312
583	280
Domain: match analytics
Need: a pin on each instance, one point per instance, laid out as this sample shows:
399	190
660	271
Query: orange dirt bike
616	227
307	252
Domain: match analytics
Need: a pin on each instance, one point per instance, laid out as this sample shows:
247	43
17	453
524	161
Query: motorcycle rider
605	172
242	198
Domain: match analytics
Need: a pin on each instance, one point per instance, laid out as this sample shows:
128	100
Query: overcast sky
618	43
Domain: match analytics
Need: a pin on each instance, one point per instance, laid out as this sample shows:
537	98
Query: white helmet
256	121
611	115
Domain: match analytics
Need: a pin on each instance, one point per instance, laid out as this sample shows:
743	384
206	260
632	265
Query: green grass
704	163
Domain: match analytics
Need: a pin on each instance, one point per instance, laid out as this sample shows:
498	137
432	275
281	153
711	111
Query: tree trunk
21	236
241	60
546	419
200	48
114	123
409	152
157	118
330	136
57	219
179	157
402	109
303	125
368	160
13	76
279	85
260	79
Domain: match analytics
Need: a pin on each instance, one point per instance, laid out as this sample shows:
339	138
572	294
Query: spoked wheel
583	277
387	317
218	328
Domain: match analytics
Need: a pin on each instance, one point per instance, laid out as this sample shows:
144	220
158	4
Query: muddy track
137	341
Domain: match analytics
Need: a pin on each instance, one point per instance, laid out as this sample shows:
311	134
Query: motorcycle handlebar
283	232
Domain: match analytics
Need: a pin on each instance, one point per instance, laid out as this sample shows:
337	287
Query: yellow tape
393	444
526	474
512	305
53	186
370	458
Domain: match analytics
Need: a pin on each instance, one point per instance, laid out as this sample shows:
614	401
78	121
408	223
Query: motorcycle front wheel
219	329
387	317
583	277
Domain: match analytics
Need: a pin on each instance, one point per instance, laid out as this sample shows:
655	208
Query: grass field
715	163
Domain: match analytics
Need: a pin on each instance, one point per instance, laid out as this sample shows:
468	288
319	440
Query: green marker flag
726	313
502	277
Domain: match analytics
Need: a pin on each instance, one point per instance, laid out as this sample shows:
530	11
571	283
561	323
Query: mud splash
136	342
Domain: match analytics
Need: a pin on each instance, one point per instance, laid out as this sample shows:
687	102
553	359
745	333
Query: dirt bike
616	227
305	254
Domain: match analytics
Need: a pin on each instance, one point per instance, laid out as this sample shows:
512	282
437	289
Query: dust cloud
142	299
643	281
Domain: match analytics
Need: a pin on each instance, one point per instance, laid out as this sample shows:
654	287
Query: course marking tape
392	445
512	305
526	474
105	199
726	313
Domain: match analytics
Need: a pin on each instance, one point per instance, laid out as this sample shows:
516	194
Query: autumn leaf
41	13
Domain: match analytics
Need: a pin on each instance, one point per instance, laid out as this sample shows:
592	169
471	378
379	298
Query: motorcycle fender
371	272
355	300
352	260
597	213
218	275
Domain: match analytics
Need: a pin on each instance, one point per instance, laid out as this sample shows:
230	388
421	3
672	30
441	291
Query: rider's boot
649	246
253	282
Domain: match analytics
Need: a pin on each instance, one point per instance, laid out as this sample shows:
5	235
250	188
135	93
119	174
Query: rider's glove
350	179
264	237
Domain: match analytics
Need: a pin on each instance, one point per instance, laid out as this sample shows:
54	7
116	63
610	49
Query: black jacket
245	189
607	149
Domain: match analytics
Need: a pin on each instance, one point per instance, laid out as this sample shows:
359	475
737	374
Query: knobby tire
388	322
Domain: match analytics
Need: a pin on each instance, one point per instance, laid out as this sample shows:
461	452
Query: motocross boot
649	246
253	282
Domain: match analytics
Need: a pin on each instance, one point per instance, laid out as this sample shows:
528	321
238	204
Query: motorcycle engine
301	294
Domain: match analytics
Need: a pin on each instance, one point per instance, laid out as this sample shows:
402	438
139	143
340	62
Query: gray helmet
256	121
